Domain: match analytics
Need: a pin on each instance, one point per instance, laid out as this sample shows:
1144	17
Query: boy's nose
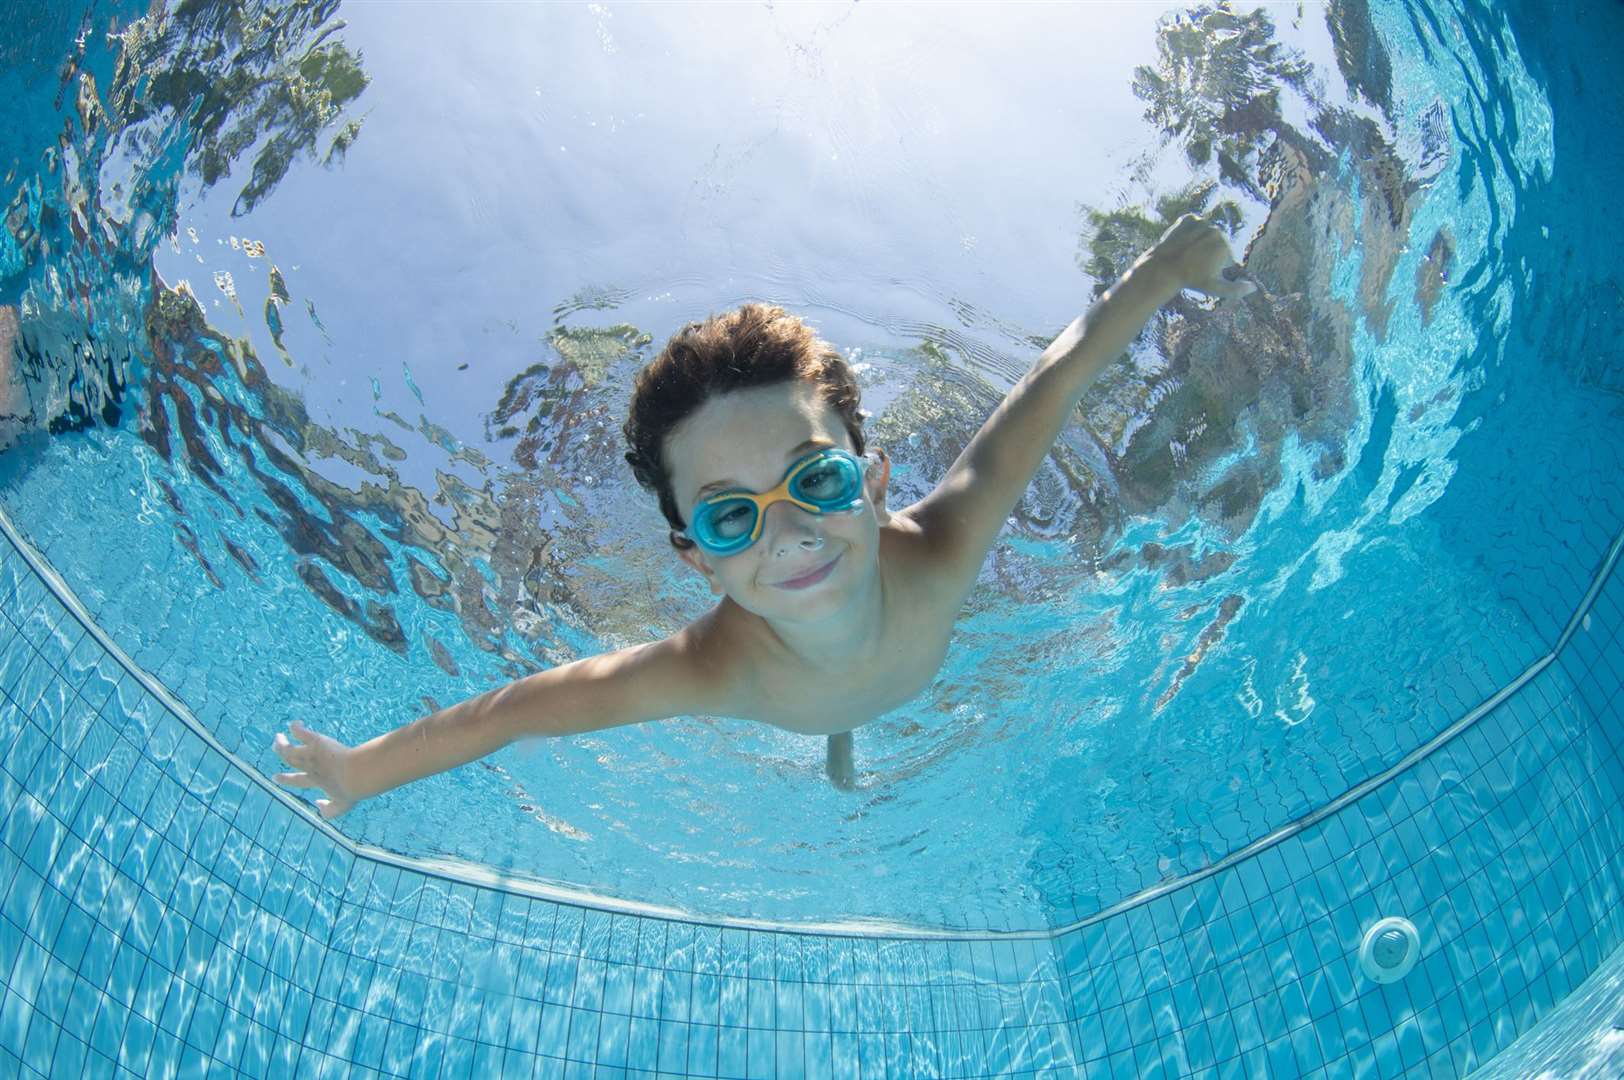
789	528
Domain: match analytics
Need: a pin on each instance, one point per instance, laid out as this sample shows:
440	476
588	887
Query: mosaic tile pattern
1505	848
1581	1039
163	914
1562	529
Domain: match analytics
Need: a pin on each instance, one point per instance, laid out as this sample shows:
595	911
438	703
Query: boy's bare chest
823	702
839	702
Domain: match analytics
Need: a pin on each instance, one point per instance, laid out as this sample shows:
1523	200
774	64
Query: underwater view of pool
318	323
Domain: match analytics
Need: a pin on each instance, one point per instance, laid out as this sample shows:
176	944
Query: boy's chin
793	611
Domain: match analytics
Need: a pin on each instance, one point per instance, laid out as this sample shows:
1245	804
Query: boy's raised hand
1194	254
325	762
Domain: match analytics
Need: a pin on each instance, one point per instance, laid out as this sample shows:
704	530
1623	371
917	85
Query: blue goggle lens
828	481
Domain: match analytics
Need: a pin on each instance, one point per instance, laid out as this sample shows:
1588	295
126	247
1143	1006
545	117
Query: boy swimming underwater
834	609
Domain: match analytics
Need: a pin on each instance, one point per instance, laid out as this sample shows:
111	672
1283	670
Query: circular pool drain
1390	949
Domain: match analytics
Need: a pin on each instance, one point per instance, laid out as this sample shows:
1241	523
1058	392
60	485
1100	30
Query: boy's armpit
945	552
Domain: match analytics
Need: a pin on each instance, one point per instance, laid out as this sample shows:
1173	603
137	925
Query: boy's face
748	439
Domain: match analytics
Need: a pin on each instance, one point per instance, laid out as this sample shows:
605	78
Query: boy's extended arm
962	516
628	686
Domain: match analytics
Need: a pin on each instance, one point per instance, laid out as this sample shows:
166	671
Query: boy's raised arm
627	686
962	516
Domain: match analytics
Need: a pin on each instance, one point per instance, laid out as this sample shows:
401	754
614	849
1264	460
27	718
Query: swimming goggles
826	481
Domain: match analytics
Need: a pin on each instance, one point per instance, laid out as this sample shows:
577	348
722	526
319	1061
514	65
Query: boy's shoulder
706	663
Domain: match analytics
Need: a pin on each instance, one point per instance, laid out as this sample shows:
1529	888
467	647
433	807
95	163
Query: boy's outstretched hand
1194	254
325	762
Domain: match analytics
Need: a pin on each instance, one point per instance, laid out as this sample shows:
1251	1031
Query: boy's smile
808	580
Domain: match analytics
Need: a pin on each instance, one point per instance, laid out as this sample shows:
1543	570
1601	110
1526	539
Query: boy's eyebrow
716	485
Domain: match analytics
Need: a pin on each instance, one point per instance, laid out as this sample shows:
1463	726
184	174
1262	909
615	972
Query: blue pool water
1310	619
1168	654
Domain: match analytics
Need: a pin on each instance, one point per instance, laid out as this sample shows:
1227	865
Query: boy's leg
838	764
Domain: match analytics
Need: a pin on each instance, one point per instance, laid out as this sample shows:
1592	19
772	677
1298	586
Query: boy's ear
875	481
693	558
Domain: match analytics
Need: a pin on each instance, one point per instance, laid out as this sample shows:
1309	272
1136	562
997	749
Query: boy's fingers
296	779
290	752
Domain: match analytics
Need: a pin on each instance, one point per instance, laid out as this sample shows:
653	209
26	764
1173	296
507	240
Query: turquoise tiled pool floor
1581	1039
166	912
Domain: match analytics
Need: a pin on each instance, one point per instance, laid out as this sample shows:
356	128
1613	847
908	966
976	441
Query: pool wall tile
162	912
1507	841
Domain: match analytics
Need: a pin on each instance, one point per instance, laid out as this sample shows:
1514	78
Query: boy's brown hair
756	345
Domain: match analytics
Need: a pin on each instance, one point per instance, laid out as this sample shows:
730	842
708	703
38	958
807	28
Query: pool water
1309	619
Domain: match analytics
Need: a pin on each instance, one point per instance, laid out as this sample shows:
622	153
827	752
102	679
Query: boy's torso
917	623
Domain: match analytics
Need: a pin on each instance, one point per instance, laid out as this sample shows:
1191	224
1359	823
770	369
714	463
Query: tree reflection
1112	239
244	74
1215	88
195	88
